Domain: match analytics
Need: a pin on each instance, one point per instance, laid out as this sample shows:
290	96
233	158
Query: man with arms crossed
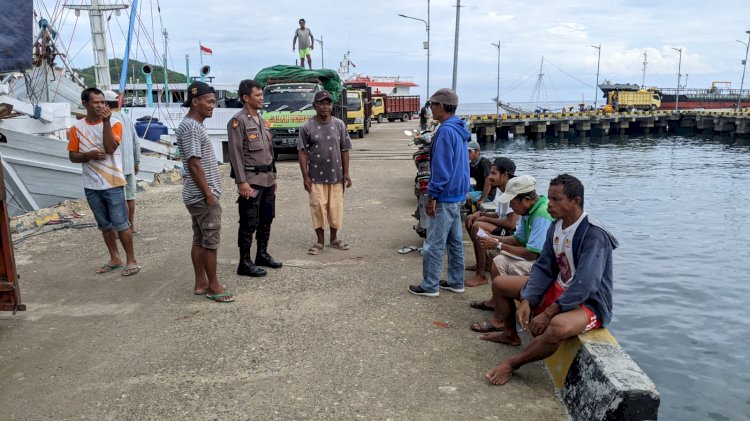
201	190
323	153
569	290
94	143
497	223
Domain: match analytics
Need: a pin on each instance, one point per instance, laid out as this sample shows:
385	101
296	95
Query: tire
391	119
405	117
652	107
630	108
381	119
361	133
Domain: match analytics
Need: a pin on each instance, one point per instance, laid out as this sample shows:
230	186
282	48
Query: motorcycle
423	141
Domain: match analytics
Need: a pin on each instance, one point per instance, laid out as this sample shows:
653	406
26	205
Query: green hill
134	71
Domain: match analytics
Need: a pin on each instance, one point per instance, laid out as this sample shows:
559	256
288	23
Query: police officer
254	170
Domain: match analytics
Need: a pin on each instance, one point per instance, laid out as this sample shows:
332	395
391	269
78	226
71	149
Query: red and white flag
205	50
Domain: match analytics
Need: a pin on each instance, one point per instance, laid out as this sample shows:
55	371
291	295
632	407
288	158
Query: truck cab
287	107
355	114
378	108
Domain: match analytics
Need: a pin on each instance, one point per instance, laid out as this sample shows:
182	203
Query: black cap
195	90
505	165
322	95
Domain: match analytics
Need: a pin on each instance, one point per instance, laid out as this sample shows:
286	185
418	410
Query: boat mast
643	80
99	37
124	74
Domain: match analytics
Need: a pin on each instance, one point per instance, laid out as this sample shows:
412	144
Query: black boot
262	258
247	267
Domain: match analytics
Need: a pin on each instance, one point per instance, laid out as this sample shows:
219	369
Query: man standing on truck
254	170
306	43
323	148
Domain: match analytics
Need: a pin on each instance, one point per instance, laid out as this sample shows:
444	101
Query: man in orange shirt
94	143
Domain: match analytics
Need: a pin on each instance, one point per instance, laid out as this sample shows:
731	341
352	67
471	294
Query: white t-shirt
502	209
562	244
97	174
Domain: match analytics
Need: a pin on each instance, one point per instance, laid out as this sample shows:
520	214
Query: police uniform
252	160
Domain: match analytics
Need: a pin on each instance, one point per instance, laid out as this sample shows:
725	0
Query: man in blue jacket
569	290
449	183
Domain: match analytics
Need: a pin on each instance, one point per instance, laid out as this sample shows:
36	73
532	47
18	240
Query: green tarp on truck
284	74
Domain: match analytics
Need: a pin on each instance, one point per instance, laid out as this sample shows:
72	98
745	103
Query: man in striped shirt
201	190
94	143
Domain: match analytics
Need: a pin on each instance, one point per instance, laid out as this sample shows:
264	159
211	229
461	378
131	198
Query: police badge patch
235	123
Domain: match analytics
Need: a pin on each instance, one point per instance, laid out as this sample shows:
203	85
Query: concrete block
604	383
143	185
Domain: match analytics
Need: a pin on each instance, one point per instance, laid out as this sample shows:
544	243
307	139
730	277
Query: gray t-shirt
303	38
193	141
324	143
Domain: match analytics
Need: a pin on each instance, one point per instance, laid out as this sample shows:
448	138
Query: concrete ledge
599	381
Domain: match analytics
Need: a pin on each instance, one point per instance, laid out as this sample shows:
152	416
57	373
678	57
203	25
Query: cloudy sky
247	36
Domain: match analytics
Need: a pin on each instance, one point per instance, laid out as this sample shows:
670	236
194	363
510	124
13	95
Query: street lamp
322	52
679	76
596	87
497	98
744	66
427	47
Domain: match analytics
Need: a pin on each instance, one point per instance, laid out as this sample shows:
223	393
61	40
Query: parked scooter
423	140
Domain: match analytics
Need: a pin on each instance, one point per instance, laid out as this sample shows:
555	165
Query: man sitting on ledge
569	290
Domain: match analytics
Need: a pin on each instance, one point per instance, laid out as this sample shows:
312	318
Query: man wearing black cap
254	169
201	190
449	183
323	147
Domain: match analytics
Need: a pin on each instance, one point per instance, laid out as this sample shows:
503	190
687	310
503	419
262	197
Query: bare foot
500	374
472	268
203	289
475	281
502	337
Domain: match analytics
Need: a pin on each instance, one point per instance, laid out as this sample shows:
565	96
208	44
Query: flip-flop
108	268
131	271
315	249
407	249
480	305
204	292
485	326
225	297
340	245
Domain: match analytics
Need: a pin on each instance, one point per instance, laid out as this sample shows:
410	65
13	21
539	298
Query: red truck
395	107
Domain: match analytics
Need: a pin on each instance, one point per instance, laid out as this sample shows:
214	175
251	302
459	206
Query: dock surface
333	336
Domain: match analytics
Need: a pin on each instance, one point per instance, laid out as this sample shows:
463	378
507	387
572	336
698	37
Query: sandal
205	291
225	297
338	244
315	249
108	268
130	271
480	305
485	326
407	249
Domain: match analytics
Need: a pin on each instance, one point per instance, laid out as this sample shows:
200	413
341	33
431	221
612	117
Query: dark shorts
109	208
499	231
206	224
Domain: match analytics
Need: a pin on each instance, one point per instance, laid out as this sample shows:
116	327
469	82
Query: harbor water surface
680	208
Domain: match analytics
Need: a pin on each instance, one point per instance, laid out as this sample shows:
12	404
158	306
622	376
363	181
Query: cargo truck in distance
359	108
288	93
394	107
633	100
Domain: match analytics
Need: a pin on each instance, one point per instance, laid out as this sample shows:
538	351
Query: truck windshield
290	97
353	103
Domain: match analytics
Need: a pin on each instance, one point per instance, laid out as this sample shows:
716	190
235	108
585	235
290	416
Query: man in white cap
130	146
517	252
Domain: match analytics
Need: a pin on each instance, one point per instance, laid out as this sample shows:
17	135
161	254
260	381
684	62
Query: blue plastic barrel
150	128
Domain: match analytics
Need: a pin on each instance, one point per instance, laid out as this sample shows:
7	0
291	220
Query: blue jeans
445	229
109	208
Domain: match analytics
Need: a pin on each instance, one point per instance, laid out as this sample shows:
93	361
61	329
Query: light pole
455	45
497	98
322	52
679	76
427	28
596	87
744	67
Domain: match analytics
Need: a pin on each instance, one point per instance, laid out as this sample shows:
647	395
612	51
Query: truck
633	100
394	107
359	108
288	93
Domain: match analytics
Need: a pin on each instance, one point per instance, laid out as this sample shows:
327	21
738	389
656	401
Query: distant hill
115	67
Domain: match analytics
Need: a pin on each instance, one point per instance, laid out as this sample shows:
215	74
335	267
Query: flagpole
200	52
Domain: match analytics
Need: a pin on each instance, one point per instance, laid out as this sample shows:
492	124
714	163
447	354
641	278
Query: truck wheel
391	119
361	133
630	108
405	117
381	119
653	107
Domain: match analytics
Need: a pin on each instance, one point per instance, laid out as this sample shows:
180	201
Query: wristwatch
499	246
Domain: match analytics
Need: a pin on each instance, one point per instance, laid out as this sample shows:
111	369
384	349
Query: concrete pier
334	336
731	123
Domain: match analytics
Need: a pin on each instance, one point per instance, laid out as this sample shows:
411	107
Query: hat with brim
322	96
444	96
111	98
195	90
474	145
517	185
